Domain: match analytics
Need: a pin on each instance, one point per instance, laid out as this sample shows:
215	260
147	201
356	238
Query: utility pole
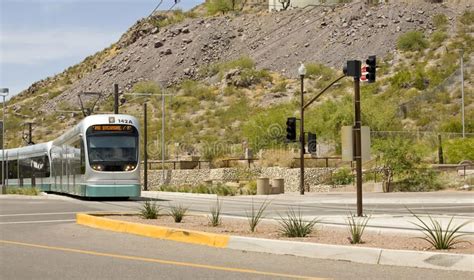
116	99
462	94
145	150
28	136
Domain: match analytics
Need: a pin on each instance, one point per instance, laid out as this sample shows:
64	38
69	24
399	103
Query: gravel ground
322	234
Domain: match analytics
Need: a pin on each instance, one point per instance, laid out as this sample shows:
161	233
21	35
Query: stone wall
291	176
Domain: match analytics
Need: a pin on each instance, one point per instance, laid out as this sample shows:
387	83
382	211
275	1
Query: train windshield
112	147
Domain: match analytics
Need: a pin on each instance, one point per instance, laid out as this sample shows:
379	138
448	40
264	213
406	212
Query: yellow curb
187	236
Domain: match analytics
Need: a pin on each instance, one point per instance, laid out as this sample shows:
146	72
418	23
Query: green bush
467	17
412	41
23	190
342	176
457	150
418	181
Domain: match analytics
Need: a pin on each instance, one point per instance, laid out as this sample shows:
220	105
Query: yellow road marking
125	257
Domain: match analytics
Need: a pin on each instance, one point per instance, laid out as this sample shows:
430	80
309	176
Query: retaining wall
291	176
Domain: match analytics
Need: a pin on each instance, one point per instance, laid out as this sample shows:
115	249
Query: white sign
348	145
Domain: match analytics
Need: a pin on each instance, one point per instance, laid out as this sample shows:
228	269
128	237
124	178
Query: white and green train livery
99	157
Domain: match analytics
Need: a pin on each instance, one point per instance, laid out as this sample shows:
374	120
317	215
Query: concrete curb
433	260
187	236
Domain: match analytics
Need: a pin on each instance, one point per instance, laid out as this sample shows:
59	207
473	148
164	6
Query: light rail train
99	157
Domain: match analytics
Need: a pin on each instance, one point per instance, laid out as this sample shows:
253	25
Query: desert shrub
147	87
176	16
467	17
197	90
318	70
438	37
278	157
412	41
457	150
342	176
251	187
280	86
402	79
218	6
440	21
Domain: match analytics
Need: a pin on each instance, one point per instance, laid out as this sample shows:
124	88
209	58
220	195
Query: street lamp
302	73
3	93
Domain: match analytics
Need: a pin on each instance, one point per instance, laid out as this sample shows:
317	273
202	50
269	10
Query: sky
41	38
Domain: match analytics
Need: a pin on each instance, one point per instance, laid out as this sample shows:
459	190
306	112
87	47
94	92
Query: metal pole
116	99
162	136
462	94
145	150
4	189
358	154
302	137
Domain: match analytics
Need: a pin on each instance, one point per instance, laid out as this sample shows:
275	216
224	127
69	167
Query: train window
13	169
79	157
112	150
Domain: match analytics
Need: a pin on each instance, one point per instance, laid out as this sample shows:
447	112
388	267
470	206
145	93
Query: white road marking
37	222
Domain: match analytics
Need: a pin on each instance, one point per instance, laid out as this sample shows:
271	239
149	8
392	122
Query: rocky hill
192	48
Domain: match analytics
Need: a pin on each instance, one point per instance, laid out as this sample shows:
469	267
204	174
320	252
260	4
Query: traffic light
312	143
291	129
371	68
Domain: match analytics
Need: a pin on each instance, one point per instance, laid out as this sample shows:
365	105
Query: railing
191	164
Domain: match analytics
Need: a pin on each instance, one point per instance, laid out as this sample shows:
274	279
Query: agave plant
293	225
437	236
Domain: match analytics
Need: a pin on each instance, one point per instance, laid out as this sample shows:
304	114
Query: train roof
79	128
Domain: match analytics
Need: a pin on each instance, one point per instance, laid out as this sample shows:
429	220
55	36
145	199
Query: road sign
347	138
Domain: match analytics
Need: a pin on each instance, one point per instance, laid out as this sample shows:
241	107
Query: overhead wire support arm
322	91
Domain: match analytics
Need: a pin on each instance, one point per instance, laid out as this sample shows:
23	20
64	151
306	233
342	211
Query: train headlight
129	167
97	167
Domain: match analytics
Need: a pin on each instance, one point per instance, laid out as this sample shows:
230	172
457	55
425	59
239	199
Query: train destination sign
112	128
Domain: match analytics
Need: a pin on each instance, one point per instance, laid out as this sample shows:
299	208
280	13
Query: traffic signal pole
302	137
358	146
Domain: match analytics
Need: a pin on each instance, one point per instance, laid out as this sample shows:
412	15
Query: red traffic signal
371	68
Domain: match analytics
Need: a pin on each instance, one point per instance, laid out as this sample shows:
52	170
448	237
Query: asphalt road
39	240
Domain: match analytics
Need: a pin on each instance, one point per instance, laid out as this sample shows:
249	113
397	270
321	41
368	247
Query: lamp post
302	73
3	93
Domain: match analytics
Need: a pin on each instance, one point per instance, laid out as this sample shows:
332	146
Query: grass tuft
293	224
149	210
215	216
437	236
254	217
356	228
178	212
